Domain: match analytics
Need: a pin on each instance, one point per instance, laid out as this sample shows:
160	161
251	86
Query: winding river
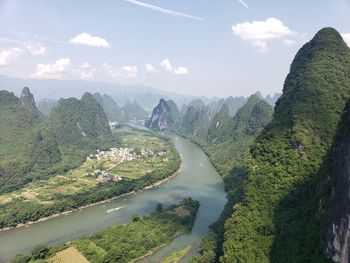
198	179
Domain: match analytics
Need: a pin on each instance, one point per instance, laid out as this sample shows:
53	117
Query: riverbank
198	180
156	184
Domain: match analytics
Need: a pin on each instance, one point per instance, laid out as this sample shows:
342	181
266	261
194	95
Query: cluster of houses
114	153
104	176
119	154
127	154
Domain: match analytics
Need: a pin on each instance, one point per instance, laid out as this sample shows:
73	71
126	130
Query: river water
198	179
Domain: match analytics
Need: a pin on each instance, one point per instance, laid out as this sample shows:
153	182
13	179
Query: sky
197	47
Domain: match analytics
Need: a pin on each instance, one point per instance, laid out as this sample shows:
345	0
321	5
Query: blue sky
199	47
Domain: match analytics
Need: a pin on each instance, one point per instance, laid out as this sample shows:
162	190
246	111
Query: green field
139	160
81	178
178	255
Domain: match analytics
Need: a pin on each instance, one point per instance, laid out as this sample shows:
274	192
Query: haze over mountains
48	90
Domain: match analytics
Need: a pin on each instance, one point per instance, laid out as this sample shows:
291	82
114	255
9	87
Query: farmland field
139	154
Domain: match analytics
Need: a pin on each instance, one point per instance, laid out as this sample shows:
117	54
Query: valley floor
142	161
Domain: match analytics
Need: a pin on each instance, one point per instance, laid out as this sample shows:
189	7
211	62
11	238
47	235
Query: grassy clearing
69	255
178	255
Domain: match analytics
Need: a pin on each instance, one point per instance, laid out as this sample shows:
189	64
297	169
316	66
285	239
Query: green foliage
136	218
276	221
195	123
40	252
17	211
26	147
32	146
124	243
221	127
229	140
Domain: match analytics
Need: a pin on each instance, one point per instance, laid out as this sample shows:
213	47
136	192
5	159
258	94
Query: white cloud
10	55
346	37
129	71
289	42
165	64
163	10
85	71
260	32
243	3
36	49
125	72
181	71
64	69
87	39
52	71
149	67
24	48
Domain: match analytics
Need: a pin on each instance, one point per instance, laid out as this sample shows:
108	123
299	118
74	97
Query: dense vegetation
124	243
228	143
17	211
27	148
277	219
195	123
79	126
225	139
45	106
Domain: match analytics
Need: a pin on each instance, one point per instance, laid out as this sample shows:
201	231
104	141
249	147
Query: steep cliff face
164	116
276	221
27	100
338	176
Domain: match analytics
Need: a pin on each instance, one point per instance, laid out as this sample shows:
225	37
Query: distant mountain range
146	97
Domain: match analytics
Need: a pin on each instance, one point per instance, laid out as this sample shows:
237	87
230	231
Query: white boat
114	209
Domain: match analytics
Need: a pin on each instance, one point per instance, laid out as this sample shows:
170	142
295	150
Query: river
198	179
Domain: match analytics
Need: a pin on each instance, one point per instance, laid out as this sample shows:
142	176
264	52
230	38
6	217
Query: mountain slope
195	123
335	198
79	126
132	111
276	221
26	146
109	106
45	106
164	116
228	144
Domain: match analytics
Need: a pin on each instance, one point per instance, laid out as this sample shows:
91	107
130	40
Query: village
119	155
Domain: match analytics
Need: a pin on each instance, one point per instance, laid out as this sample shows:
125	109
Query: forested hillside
228	143
79	126
26	146
34	146
277	219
